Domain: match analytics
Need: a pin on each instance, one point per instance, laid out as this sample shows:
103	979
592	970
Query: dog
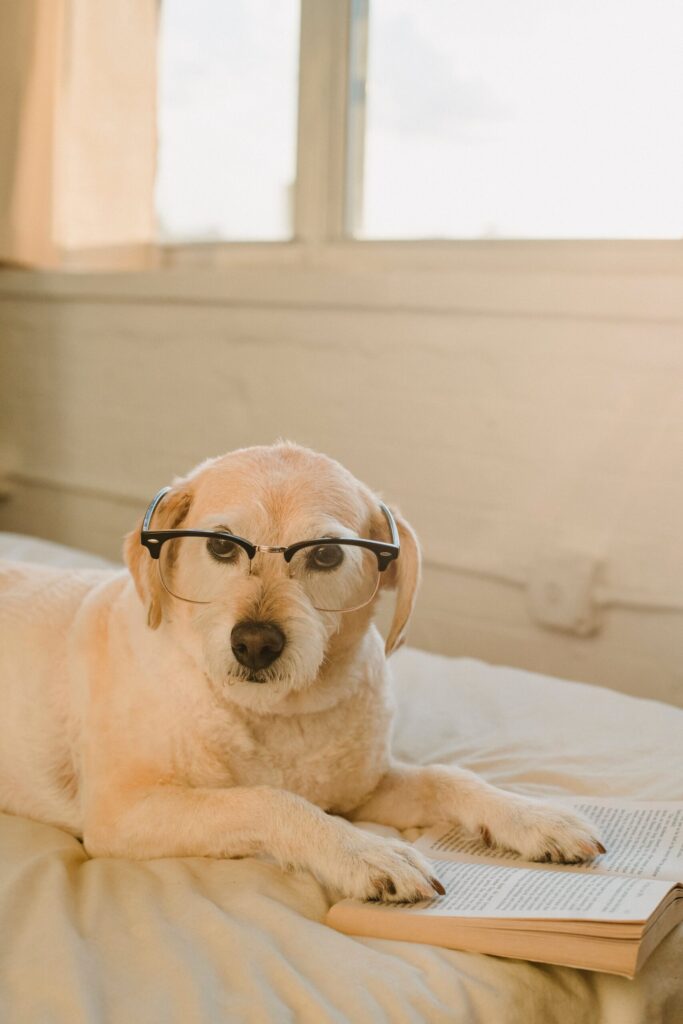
212	701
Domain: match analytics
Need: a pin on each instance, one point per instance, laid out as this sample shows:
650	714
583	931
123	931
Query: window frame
322	266
327	153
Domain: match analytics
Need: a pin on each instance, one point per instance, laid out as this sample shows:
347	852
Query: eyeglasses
337	574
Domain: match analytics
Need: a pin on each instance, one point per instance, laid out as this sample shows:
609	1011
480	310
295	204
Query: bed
198	940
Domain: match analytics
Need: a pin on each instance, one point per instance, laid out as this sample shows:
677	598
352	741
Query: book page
498	891
642	838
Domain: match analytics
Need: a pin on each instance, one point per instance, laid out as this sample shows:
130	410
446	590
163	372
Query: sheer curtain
77	131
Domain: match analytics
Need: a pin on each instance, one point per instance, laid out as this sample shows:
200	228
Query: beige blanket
196	940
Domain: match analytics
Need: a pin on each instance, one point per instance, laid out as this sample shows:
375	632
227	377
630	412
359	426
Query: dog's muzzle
257	644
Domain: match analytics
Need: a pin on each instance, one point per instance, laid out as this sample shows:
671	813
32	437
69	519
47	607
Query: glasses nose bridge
269	549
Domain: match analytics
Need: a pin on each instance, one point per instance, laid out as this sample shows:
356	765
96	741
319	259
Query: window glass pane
228	86
532	119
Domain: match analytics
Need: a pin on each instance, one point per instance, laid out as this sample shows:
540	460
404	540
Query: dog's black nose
257	644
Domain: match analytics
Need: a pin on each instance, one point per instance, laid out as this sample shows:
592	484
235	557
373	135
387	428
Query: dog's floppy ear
168	515
404	575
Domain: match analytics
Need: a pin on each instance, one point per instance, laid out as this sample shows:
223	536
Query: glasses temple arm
395	540
153	504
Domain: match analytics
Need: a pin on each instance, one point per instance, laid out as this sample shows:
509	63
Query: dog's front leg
414	795
177	821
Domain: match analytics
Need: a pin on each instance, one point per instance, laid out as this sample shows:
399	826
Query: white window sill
623	280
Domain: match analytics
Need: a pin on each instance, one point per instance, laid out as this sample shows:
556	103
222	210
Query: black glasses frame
385	552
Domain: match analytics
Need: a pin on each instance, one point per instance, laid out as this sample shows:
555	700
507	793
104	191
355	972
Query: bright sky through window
532	119
228	88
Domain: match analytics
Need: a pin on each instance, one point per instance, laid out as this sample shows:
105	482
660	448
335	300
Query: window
533	119
445	119
228	93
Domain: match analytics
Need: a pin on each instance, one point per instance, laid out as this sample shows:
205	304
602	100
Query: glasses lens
201	568
336	577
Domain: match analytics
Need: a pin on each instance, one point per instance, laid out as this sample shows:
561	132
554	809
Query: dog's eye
327	556
223	549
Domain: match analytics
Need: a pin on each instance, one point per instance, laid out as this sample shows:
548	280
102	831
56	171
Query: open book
608	915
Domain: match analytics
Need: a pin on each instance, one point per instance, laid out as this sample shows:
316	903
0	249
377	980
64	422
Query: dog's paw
374	868
543	832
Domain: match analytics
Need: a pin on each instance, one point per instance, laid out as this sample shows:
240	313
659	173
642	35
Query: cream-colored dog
173	711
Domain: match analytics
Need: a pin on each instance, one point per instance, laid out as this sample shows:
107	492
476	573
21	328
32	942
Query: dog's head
260	623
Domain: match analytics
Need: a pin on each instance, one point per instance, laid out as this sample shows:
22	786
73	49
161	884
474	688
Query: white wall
511	417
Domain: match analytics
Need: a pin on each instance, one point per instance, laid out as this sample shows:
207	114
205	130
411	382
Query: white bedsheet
196	940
